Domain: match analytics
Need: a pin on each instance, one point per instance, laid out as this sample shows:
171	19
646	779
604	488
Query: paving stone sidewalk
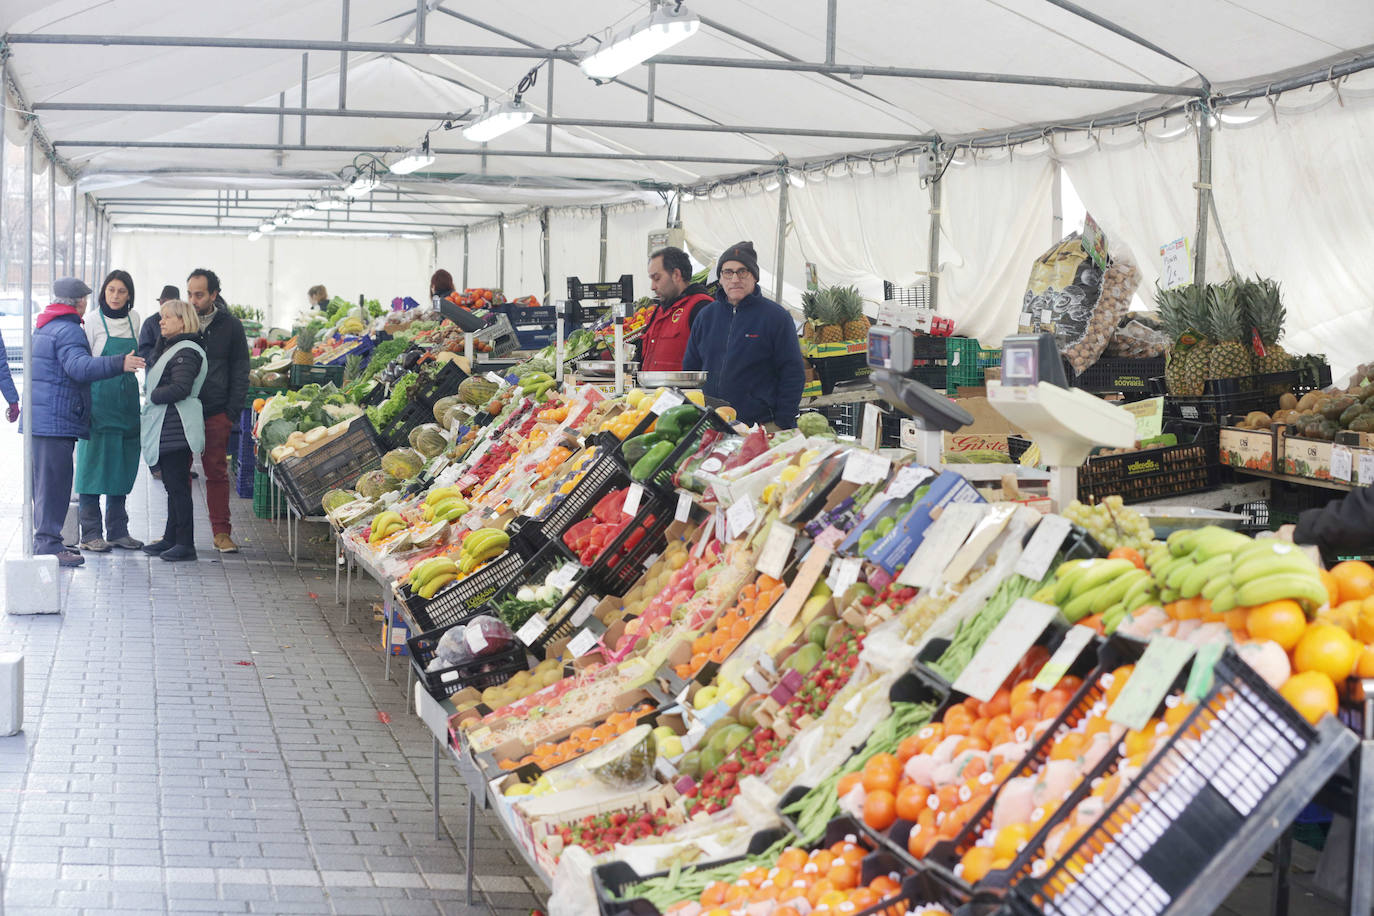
211	737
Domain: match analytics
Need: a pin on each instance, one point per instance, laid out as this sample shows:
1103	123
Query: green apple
670	747
705	697
664	731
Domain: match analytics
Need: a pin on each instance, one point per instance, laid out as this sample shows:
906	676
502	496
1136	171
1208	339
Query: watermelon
403	463
477	389
428	439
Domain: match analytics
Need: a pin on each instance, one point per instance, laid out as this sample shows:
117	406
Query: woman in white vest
173	425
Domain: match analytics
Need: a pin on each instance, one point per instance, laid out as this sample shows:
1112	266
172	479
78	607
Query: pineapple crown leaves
1225	318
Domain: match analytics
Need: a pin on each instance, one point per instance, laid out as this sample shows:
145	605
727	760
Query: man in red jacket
670	326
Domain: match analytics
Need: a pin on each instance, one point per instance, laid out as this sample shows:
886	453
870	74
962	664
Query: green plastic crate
264	393
968	359
264	495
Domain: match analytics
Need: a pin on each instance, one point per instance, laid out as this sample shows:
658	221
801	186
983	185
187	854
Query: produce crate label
868	428
665	770
757	681
1040	552
667	398
563	577
1149	416
844	572
740	516
1005	646
1340	463
582	643
942	539
1200	677
633	495
776	549
828	538
1366	468
1075	641
532	629
1246	449
1189	411
684	507
906	479
709	527
1307	457
584	610
864	467
1152	678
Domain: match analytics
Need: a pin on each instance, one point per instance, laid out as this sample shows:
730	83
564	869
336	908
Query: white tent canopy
193	118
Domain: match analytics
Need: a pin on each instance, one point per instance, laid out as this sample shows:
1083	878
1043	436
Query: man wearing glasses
747	345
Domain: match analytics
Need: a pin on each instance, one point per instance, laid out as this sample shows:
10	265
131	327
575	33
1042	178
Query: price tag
582	643
908	433
667	398
863	467
665	770
1005	646
907	479
705	537
1189	411
792	600
492	376
1047	316
1200	678
1340	463
1366	468
476	639
941	541
828	538
632	497
532	629
563	577
868	428
776	549
1178	266
1035	560
1075	641
757	681
584	610
844	572
684	508
474	521
739	517
1152	678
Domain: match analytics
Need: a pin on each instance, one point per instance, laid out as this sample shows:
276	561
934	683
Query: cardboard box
901	542
1306	457
987	433
1248	449
394	634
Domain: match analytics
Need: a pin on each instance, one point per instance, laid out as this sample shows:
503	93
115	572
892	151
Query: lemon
695	396
519	788
790	473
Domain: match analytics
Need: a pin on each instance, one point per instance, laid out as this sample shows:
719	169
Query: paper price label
844	572
1005	646
941	541
474	521
869	427
532	630
582	643
667	398
476	640
684	508
739	517
908	434
1152	678
865	467
632	497
1035	560
1075	641
776	549
1366	467
907	479
1340	463
665	770
492	376
705	537
757	681
563	577
584	610
828	538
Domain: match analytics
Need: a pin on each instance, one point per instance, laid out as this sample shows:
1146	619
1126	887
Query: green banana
1137	601
1140	587
1178	572
434	584
1102	571
1273	564
1113	616
1078	608
1115	591
1168	595
1306	589
1213	542
1181	541
1068	575
439	494
1161	571
1224	600
424	572
1210	590
1203	573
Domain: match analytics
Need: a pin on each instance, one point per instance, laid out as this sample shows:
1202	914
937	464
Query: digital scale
567	310
890	354
467	322
1066	423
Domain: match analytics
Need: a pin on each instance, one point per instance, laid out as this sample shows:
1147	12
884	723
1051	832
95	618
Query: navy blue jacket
62	371
7	390
752	358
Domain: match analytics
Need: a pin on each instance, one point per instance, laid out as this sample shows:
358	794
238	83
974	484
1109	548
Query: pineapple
352	365
1265	305
1230	356
1182	314
305	346
851	308
809	300
829	316
1172	317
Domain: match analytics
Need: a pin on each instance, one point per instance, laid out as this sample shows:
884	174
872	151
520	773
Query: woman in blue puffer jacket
62	371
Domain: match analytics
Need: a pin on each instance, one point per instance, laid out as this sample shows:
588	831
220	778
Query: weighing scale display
889	348
1028	359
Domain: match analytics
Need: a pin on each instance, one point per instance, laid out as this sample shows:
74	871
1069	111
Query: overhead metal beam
679	60
519	154
284	231
139	206
1105	23
596	123
343	60
830	16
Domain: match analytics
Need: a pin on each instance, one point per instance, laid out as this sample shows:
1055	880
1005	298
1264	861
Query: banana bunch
430	575
1232	570
483	545
1112	588
445	504
386	524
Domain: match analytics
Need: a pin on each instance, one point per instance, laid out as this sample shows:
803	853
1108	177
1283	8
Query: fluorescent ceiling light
413	161
255	235
663	29
281	220
498	121
268	226
361	185
329	203
300	212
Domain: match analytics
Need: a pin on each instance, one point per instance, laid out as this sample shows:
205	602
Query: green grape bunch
1112	523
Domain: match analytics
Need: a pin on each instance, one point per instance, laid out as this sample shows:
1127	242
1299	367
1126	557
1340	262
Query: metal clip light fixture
664	28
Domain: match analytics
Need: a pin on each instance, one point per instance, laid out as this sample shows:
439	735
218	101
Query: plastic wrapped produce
1113	302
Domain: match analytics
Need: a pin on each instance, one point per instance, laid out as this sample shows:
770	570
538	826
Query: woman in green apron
107	462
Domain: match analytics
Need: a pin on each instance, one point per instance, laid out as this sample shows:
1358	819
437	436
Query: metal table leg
338	560
1362	826
472	827
296	544
435	796
1283	861
386	636
348	587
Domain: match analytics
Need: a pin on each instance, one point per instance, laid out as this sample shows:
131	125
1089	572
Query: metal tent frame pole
71	234
601	263
52	223
501	253
26	529
933	254
1204	193
465	257
783	185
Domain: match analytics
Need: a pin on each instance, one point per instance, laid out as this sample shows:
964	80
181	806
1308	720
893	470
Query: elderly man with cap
747	345
151	332
62	372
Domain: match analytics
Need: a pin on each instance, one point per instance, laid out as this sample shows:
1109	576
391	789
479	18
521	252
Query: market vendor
1344	526
319	297
679	302
747	344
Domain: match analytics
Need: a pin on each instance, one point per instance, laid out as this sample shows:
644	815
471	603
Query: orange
1281	621
1326	648
976	863
1119	678
1345	615
880	809
1364	626
1312	694
1364	666
911	801
1010	839
1354	579
847	783
843	875
1333	588
1175	715
1069	747
880	777
259	404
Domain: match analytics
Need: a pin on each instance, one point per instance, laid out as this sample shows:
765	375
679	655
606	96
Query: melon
374	483
442	407
403	463
476	390
428	439
335	498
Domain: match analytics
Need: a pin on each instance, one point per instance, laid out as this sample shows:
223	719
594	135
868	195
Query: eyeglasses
734	274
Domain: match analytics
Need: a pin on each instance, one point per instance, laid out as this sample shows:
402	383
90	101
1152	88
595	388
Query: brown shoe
225	544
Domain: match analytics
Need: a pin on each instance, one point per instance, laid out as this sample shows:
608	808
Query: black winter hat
745	254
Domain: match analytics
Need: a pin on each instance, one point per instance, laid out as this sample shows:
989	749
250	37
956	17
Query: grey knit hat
70	289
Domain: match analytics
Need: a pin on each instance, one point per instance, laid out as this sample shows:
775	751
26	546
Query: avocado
820	629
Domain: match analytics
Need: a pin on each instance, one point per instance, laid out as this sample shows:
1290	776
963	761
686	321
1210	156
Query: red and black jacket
670	327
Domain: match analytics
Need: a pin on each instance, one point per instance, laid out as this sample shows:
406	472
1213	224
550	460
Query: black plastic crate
337	464
1147	474
1292	499
444	383
1243	762
832	370
316	375
566	617
551	556
465	598
911	296
621	562
491	671
1232	397
530	314
396	434
604	474
375	395
1130	377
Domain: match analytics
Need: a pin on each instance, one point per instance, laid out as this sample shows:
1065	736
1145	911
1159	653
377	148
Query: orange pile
556	414
581	740
551	463
823	882
732	626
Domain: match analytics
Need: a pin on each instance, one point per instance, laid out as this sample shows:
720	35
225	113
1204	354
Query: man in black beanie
748	346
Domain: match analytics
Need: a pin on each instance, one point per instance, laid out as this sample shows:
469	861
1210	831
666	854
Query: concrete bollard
11	693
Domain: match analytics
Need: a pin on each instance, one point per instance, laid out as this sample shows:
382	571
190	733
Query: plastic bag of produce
452	649
1137	340
1113	302
485	635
